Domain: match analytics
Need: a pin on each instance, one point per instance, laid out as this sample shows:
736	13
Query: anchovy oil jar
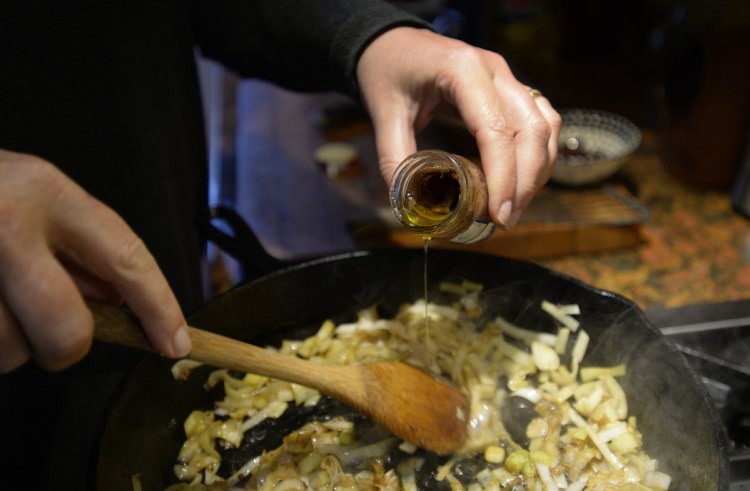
442	196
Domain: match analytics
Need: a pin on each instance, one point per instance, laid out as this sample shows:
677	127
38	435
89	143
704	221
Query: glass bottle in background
441	196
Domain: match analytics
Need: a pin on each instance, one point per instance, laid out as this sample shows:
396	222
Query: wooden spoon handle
408	401
115	325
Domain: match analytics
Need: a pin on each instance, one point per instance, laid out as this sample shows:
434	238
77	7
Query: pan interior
143	430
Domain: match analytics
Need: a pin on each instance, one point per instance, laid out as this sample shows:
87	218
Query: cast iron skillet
142	431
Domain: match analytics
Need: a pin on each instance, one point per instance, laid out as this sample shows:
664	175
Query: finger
395	140
43	299
555	121
532	147
100	242
485	117
14	350
92	286
39	299
390	99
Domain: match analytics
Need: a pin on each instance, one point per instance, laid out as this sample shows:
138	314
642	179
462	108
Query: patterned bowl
593	145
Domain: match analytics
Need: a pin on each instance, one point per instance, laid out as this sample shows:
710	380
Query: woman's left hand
406	74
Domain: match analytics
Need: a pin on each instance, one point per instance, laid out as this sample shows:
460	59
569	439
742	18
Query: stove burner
715	339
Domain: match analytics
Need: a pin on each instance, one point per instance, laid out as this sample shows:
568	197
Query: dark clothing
108	91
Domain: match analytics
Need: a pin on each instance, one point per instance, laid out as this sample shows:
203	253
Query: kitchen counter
691	248
696	249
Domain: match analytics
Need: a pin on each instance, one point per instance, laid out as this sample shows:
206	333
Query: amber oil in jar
441	196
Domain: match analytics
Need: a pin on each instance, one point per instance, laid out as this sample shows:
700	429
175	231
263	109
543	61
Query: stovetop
715	339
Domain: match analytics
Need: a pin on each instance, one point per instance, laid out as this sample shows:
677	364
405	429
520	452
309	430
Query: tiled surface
697	248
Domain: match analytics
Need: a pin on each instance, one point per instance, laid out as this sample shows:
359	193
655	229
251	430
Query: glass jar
441	196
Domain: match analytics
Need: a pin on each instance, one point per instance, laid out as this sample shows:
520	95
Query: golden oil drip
424	279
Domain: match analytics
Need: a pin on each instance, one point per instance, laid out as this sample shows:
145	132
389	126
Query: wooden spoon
410	402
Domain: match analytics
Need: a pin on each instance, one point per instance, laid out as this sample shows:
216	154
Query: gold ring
534	93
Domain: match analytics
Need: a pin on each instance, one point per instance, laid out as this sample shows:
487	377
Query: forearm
300	45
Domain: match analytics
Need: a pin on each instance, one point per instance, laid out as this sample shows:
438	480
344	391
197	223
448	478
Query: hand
58	244
406	74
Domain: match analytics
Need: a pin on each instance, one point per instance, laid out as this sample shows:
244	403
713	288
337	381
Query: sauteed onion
581	435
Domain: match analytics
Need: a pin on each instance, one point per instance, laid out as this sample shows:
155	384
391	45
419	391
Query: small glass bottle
441	196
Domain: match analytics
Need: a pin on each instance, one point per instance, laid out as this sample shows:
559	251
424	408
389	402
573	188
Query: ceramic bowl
593	145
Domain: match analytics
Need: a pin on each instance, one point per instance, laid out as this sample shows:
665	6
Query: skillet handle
230	232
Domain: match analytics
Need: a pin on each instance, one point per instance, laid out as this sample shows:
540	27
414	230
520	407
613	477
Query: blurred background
678	69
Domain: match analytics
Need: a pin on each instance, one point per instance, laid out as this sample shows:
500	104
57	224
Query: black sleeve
308	45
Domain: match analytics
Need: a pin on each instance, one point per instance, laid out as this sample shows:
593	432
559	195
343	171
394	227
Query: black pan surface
143	429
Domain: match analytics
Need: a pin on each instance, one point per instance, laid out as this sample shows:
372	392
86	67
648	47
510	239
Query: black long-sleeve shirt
108	91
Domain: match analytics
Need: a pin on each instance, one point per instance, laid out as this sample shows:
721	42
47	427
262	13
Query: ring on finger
534	93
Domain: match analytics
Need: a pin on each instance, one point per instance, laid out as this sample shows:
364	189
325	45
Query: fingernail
504	215
181	344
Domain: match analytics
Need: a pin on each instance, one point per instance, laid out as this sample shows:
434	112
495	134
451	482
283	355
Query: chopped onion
565	450
182	368
546	477
570	309
445	469
494	454
578	485
526	335
564	318
135	482
545	358
563	334
611	432
602	446
657	479
360	454
407	447
529	393
273	410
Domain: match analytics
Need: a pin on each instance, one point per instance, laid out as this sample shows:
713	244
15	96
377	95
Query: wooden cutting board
558	222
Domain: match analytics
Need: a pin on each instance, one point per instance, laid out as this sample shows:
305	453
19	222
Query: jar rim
408	170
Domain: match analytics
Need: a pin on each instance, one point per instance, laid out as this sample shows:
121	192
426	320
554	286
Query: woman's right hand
516	129
58	244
